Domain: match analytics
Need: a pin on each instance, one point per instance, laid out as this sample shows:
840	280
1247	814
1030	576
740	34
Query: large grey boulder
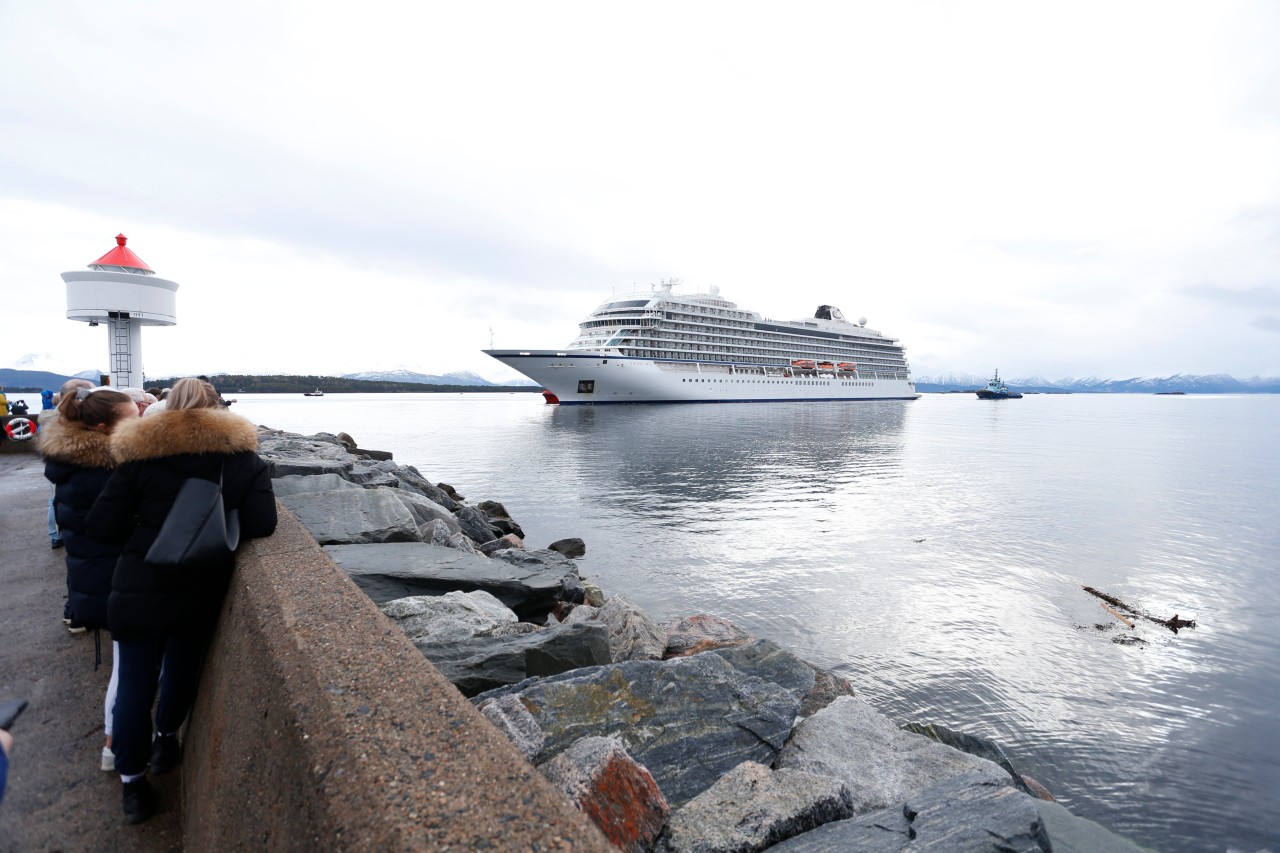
633	635
688	720
1072	834
483	663
367	476
592	593
500	519
294	484
816	687
974	745
475	524
387	572
753	807
288	445
353	516
618	794
880	763
688	635
766	659
424	511
572	547
436	533
501	544
452	616
412	481
509	716
542	560
973	812
284	466
463	543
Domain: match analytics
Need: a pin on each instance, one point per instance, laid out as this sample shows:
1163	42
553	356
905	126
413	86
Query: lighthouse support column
124	344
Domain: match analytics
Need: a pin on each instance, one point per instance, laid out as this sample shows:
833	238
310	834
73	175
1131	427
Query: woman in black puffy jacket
77	460
163	618
76	446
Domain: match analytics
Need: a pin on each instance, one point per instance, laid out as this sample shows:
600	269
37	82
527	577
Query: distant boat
1170	393
315	393
997	390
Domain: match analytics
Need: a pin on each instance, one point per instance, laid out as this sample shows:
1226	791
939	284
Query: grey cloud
1259	297
244	187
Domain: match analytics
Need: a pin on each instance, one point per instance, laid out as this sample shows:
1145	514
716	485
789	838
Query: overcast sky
1063	190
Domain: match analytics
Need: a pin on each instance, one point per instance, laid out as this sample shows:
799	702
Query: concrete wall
320	726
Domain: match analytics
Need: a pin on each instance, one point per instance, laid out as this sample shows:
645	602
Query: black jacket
155	455
77	460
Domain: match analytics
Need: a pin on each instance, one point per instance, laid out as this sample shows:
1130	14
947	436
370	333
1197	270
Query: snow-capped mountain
1212	384
458	377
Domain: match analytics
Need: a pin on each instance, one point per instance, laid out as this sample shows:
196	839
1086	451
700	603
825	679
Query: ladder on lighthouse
121	354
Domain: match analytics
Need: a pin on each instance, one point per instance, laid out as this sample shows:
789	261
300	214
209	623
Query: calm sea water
933	553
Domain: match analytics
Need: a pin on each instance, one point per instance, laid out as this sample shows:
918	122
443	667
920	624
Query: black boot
139	800
166	752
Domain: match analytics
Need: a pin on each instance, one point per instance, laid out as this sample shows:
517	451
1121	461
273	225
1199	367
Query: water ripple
934	554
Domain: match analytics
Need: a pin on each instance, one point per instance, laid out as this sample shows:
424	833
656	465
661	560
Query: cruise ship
666	347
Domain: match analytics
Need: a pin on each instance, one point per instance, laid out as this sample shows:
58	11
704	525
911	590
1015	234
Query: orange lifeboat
847	366
803	364
826	365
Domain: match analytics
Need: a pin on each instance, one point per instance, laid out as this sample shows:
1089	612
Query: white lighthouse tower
122	291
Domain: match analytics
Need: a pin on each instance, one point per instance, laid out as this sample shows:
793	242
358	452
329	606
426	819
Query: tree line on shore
231	383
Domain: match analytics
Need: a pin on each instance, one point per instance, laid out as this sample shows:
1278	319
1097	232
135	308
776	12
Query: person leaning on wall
77	460
163	618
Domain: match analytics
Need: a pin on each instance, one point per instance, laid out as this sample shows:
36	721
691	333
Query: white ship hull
584	378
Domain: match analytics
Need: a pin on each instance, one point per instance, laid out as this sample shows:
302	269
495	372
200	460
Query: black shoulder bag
197	533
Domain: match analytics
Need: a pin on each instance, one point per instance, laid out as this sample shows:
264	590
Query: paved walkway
57	799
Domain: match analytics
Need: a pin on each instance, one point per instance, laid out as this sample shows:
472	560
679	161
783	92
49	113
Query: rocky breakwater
682	735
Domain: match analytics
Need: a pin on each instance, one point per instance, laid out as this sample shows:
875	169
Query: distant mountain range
1215	384
41	379
22	380
461	377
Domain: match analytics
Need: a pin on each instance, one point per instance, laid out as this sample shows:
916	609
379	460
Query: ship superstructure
662	346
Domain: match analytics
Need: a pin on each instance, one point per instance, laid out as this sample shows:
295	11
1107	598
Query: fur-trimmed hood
73	443
176	431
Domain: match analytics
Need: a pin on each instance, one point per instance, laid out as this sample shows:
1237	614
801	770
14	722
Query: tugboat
997	390
315	393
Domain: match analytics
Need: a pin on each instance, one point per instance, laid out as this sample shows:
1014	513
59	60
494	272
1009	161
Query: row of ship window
782	381
790	342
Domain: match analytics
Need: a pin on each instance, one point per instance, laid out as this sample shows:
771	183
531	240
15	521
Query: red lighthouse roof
121	256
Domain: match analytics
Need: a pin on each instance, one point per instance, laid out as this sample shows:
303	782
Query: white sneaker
108	760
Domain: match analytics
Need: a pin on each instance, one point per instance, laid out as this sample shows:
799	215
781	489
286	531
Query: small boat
826	365
847	367
997	390
315	393
803	364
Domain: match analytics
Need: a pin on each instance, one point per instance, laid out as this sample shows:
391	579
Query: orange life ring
20	429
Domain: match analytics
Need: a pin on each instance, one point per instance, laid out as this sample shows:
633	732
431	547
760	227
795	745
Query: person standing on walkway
6	744
163	618
77	461
46	420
